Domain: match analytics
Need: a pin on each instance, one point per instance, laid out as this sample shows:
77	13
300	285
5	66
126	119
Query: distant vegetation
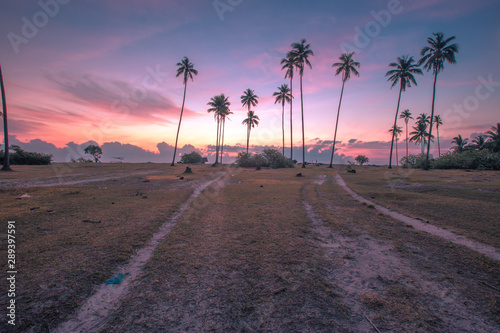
22	157
95	151
362	159
192	158
269	158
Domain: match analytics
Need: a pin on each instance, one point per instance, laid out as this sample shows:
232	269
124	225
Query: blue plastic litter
116	279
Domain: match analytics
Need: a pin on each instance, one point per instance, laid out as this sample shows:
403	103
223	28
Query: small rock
34	208
188	170
299	174
181	178
261	185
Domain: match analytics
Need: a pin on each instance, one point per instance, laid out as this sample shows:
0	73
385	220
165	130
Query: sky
80	72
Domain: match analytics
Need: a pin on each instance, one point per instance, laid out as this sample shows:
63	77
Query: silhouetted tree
95	151
494	138
249	99
218	104
289	64
434	56
187	69
6	161
283	96
396	131
251	121
346	67
460	143
403	72
439	122
406	115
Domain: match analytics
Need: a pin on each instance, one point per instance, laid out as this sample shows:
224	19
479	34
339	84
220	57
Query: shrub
22	157
269	158
470	159
81	160
192	158
362	159
414	161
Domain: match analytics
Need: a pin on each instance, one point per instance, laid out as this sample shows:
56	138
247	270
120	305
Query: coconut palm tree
403	71
289	64
406	115
423	118
300	53
494	138
396	131
283	96
186	69
434	56
439	122
219	104
346	67
249	99
460	143
420	135
479	142
6	158
251	121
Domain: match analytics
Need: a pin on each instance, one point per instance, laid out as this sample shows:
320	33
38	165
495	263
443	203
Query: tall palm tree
420	135
434	56
439	122
251	121
224	114
6	158
403	72
346	67
283	96
494	138
300	53
187	69
396	131
406	115
219	104
249	99
289	64
460	143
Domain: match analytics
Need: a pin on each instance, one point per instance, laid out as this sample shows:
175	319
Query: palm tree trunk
291	118
426	165
303	135
179	127
283	125
217	144
222	146
248	136
439	147
394	128
406	121
397	158
6	161
336	124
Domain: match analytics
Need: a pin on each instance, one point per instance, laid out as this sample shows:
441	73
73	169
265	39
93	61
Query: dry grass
466	202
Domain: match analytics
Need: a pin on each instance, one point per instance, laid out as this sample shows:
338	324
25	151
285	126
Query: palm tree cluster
219	105
434	55
490	141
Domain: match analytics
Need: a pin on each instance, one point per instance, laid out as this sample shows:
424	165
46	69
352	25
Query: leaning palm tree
406	115
249	99
289	64
420	134
218	105
187	69
434	56
403	72
439	122
460	143
396	131
251	121
6	157
300	53
346	67
494	138
283	96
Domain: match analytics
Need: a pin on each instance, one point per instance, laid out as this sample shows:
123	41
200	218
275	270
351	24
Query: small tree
95	151
192	158
362	159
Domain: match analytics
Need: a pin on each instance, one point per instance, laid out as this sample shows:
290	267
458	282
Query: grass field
261	251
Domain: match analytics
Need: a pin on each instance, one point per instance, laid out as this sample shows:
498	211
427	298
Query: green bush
269	158
192	158
470	159
22	157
